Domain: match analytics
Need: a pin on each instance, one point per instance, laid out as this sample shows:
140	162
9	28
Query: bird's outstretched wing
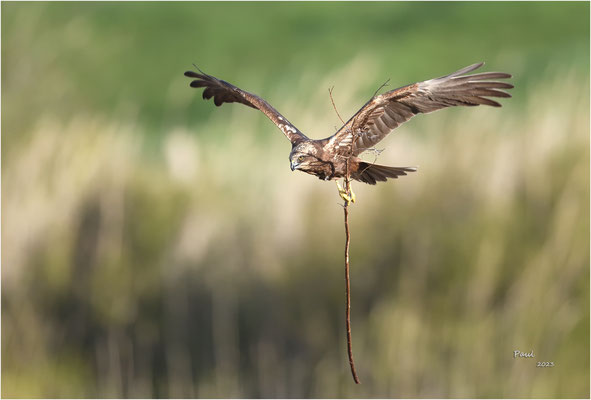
385	112
224	92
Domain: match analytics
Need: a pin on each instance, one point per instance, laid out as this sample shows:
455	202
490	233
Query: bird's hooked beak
293	165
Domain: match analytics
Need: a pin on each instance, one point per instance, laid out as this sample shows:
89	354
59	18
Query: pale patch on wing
344	145
287	129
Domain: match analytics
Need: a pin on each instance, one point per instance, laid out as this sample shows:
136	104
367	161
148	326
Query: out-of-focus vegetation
154	246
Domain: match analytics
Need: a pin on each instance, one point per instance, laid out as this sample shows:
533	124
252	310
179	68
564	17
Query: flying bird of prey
328	158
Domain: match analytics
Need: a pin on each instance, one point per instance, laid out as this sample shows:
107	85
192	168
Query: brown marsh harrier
327	158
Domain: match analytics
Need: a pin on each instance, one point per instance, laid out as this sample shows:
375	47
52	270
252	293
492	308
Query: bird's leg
346	193
351	193
343	193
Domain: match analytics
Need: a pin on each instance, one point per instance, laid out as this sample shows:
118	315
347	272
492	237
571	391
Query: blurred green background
156	246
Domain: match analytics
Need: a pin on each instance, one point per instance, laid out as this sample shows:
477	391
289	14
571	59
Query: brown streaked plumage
326	158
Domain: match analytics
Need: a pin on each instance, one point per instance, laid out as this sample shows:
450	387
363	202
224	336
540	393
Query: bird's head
301	156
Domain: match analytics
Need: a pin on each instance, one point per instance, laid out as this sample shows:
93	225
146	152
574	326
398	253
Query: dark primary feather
221	91
224	92
385	112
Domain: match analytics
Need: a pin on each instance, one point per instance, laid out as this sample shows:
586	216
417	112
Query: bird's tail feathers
373	173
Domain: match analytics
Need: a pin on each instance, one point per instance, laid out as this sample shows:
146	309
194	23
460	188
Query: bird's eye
300	158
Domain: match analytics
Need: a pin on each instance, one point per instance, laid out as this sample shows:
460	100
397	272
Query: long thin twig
333	105
347	243
347	286
380	88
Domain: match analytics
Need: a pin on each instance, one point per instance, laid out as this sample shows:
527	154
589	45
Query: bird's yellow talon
347	197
